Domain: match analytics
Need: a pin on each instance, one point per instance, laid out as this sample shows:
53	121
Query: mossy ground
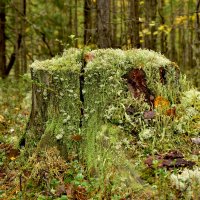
106	155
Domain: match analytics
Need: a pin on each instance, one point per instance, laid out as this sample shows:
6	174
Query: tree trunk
197	28
2	40
70	21
134	19
197	43
163	36
5	69
173	51
17	66
87	21
76	23
103	21
114	24
150	18
23	47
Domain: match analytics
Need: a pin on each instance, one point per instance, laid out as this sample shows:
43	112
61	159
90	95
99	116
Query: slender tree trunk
70	21
121	23
76	23
153	21
173	52
134	28
125	25
87	21
197	40
23	48
198	21
150	18
103	30
17	31
114	23
163	36
2	40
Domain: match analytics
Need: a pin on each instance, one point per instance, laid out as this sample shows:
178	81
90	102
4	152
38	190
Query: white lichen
187	180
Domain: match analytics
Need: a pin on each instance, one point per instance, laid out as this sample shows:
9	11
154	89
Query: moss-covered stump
56	105
75	95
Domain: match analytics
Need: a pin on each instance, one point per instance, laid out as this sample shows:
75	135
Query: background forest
32	29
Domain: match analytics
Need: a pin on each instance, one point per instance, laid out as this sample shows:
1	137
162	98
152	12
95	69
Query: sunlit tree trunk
103	30
2	40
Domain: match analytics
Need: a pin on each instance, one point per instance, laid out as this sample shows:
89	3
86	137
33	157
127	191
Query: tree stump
73	96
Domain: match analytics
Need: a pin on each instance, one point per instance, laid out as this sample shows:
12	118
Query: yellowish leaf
12	158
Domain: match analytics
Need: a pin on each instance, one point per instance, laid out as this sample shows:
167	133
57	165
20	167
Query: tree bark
150	17
2	40
114	24
69	16
87	21
4	68
173	51
163	36
134	19
17	66
76	23
103	21
23	47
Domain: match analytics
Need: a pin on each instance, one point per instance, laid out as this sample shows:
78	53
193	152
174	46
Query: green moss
91	99
56	85
106	92
71	59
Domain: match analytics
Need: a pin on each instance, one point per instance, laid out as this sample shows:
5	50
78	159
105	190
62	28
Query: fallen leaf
161	103
173	159
149	114
12	158
171	112
76	137
173	154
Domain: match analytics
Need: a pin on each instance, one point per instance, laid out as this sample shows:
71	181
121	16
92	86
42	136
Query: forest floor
16	174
